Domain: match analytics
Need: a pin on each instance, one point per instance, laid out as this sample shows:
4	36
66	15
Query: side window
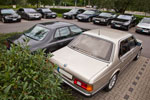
132	42
57	34
64	31
75	30
124	48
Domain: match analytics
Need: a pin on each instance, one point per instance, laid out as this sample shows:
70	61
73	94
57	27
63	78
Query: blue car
88	15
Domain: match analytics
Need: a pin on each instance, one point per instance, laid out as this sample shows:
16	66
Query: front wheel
90	19
111	83
3	20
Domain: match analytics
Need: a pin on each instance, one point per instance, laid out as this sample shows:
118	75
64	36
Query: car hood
69	13
85	15
34	13
144	25
11	15
50	13
22	40
120	20
78	64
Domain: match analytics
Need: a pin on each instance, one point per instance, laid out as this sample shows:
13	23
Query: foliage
25	76
60	11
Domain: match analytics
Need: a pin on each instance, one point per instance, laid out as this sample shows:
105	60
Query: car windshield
92	46
7	11
46	10
126	17
146	20
73	10
90	12
30	10
37	33
105	14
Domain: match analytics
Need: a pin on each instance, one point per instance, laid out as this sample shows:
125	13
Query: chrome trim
86	94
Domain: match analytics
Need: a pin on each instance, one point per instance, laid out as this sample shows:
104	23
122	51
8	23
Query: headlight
19	16
126	23
6	17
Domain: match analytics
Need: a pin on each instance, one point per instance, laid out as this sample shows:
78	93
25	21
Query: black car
124	21
88	15
50	36
104	18
9	15
46	13
29	13
72	13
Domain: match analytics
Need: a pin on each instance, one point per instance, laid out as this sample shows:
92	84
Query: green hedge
60	11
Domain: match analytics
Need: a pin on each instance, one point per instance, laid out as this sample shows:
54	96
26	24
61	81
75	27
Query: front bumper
96	21
51	16
34	17
120	26
13	19
141	30
82	19
67	16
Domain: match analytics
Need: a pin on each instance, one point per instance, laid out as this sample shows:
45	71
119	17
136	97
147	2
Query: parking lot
133	83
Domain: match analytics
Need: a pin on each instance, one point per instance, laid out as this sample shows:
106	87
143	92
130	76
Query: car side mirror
138	44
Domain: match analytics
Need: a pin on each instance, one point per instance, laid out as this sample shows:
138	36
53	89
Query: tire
127	28
73	17
111	83
90	20
137	56
3	20
44	17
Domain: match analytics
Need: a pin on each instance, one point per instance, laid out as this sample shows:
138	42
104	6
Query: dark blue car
88	15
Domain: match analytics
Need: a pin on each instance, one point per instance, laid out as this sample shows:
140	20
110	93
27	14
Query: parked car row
9	15
122	21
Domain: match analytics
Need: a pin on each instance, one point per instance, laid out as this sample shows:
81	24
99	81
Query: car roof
55	24
109	34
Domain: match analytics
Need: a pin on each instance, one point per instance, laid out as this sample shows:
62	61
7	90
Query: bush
24	76
60	11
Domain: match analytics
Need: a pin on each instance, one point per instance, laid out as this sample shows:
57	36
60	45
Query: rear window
37	33
93	46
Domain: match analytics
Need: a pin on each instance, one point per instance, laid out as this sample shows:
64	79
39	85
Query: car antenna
99	32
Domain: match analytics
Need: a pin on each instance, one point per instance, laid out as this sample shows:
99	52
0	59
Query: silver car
94	59
144	26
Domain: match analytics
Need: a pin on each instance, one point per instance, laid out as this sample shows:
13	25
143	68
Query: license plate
36	16
117	25
97	21
53	15
65	73
146	31
14	19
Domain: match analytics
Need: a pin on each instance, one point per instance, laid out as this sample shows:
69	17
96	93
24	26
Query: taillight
83	85
7	45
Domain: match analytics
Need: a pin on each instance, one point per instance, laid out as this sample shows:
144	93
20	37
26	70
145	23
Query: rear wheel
137	56
111	83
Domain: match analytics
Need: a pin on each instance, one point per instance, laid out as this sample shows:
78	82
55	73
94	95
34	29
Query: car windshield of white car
105	14
7	11
37	33
146	20
46	10
89	12
92	46
125	17
30	10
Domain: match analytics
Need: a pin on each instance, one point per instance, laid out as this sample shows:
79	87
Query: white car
94	59
144	26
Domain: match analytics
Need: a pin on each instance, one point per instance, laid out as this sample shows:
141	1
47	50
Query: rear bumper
13	20
76	88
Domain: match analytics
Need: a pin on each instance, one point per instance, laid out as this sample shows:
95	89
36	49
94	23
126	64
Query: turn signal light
83	85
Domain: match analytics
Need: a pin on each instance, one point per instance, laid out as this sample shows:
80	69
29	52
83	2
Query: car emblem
65	65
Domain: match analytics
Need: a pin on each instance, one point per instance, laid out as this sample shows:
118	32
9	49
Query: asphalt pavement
24	25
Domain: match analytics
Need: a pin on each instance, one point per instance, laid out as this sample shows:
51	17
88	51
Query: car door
62	37
75	30
125	53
